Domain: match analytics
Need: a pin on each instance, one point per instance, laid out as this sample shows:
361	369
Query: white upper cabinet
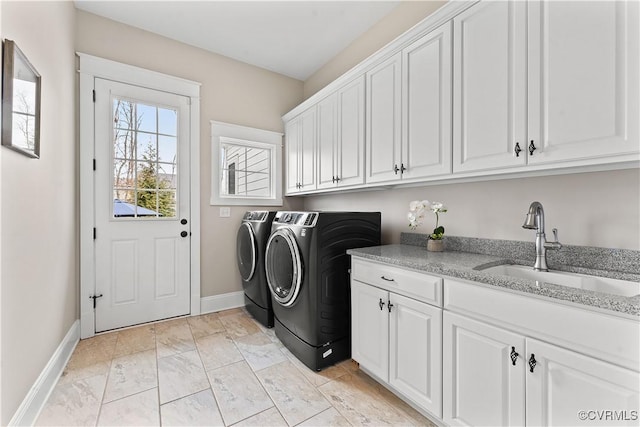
383	137
341	137
583	79
577	100
426	105
478	89
489	86
350	158
301	135
327	141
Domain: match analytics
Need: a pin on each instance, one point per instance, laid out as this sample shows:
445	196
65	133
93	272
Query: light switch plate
225	212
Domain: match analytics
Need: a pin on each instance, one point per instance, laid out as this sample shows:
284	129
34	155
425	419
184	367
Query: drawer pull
532	362
388	280
389	305
514	355
381	304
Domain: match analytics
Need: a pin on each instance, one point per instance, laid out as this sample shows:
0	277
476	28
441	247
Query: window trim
250	137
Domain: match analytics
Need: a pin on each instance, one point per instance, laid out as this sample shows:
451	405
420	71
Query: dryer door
246	251
283	266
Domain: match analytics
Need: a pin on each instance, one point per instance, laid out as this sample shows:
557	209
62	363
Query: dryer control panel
305	219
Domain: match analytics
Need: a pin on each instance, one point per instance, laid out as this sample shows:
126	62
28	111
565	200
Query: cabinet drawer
610	338
416	285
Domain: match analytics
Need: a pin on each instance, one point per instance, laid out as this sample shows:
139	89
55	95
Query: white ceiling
294	38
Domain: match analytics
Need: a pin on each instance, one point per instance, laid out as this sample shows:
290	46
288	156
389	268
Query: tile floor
212	370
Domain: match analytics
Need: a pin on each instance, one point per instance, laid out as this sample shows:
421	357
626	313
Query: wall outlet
225	212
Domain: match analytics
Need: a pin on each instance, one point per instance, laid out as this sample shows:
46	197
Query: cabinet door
383	121
306	150
563	383
292	132
481	386
327	141
370	328
583	79
490	53
415	351
426	101
350	159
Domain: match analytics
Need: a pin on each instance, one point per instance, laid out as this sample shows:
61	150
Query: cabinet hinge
94	95
95	233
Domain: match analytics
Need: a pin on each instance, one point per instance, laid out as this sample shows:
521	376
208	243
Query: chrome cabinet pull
514	355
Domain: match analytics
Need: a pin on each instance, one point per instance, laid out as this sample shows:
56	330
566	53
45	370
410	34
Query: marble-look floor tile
131	374
238	392
217	350
361	404
233	312
173	337
198	409
206	324
74	403
135	340
91	357
329	417
314	377
181	375
295	398
140	409
239	324
271	417
259	351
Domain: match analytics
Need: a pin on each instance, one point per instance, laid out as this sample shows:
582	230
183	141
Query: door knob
184	234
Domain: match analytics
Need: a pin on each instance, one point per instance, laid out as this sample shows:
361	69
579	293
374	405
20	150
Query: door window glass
145	147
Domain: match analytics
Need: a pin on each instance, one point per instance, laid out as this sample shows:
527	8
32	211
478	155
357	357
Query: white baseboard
37	396
221	302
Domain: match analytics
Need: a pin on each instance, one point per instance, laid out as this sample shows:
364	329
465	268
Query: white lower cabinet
564	382
492	376
482	386
398	339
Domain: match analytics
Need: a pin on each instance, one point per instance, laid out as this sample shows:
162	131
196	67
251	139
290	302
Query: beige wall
39	206
598	209
400	19
231	92
591	209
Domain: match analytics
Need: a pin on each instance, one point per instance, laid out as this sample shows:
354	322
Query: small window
246	166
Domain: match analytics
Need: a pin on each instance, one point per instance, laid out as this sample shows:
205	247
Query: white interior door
142	205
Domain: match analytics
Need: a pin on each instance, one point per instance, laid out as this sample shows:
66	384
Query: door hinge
94	298
95	233
94	95
94	164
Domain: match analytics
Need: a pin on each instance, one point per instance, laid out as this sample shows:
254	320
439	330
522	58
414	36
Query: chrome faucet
535	221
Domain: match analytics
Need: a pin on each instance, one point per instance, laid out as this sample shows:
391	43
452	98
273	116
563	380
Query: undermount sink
606	285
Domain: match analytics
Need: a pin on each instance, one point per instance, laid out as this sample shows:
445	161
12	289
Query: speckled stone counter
462	265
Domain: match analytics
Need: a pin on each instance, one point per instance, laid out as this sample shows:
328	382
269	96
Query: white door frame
92	67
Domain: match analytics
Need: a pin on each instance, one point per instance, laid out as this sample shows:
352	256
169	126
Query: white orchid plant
417	212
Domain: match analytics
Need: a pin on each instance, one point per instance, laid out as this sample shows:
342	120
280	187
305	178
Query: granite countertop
461	265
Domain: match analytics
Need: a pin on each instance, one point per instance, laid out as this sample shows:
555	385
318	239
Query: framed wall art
20	102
